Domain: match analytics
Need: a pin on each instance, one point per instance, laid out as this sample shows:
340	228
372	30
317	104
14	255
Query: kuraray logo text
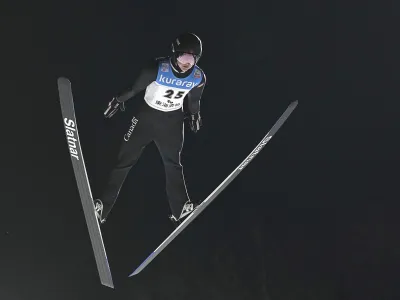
176	82
255	152
70	130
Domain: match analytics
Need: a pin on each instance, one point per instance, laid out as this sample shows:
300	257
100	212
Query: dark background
314	216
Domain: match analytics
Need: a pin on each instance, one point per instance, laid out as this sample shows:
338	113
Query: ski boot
98	209
187	209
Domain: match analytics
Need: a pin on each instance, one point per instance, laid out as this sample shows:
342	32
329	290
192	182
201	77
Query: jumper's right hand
113	107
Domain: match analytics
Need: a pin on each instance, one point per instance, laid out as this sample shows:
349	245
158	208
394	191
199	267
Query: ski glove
113	107
195	122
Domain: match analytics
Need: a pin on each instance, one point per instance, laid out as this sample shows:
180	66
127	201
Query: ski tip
63	80
295	102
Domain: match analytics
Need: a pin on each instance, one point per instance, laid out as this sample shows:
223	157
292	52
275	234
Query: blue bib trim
166	77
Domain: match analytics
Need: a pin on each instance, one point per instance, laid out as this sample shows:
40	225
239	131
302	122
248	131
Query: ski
74	146
219	189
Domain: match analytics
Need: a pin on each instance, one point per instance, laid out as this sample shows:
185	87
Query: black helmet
187	43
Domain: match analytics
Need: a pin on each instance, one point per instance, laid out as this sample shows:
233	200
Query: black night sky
314	216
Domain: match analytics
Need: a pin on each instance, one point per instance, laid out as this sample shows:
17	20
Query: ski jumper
169	95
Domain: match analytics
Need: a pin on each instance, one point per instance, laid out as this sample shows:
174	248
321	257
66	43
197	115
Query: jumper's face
185	61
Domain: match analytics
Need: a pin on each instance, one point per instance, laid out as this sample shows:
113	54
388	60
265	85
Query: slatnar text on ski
70	130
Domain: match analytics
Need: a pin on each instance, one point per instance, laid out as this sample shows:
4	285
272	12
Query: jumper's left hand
195	122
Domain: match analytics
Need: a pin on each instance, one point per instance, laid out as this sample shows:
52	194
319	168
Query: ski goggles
186	58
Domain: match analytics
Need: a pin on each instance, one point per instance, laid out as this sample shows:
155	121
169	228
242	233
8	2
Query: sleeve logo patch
164	67
197	74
